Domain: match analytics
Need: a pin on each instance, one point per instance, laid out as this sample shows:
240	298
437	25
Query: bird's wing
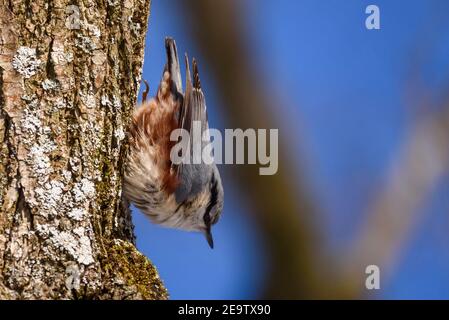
193	117
194	106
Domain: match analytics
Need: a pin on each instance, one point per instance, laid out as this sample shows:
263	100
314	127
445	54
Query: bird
186	196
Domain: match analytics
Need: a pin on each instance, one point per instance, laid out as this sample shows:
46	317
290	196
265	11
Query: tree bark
69	77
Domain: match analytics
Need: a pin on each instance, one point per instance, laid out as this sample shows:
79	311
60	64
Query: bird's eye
214	218
207	219
212	202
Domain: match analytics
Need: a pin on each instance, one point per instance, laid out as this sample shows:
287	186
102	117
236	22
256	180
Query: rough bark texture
68	84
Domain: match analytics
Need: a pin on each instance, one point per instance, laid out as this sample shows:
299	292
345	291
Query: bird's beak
209	238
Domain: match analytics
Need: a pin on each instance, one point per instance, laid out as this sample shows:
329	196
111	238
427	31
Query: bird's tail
173	63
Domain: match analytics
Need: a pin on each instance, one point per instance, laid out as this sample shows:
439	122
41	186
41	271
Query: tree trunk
69	77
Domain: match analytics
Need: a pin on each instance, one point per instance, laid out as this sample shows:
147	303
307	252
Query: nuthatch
183	196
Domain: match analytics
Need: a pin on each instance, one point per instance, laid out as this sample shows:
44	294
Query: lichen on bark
69	75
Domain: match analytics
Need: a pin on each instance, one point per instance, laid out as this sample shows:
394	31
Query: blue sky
343	89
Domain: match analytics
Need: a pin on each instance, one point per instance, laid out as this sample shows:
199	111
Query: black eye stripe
212	202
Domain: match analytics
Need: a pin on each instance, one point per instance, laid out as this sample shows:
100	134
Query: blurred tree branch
421	162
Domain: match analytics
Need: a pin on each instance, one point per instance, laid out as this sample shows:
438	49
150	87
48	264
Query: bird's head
200	200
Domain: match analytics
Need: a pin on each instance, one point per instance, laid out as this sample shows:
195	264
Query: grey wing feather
192	177
194	106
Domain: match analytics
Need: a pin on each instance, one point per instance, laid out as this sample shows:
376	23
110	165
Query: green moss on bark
125	263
